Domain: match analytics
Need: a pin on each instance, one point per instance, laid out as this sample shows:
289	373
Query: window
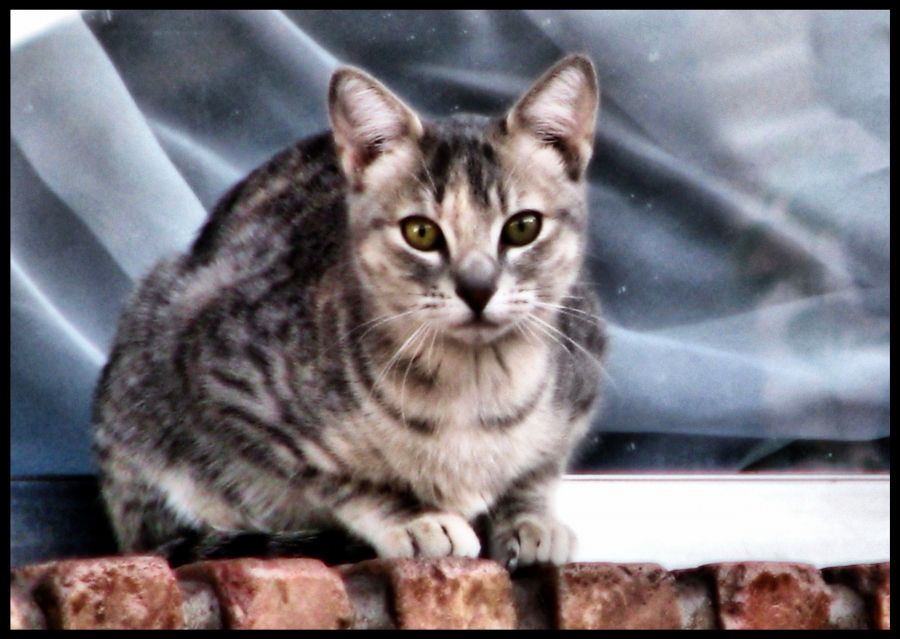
739	237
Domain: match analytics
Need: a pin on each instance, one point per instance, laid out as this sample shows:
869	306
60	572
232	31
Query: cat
380	341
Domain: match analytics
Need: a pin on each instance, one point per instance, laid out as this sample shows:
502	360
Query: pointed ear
561	110
366	119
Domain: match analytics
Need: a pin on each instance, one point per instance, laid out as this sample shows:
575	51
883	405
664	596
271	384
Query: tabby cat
380	342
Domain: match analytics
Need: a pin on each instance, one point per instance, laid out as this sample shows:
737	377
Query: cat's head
470	226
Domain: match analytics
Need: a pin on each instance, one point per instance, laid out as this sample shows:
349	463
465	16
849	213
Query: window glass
739	234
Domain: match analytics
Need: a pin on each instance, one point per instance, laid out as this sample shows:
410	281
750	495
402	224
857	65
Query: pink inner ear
372	118
563	109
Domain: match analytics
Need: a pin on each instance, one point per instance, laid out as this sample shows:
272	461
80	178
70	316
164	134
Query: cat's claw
534	539
430	535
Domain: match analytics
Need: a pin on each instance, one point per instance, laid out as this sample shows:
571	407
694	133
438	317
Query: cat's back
295	201
280	228
288	214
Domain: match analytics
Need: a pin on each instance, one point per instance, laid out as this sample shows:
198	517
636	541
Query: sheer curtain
739	191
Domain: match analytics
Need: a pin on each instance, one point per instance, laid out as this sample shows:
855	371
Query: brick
273	593
596	596
27	577
872	582
769	595
130	592
24	613
695	600
615	596
434	593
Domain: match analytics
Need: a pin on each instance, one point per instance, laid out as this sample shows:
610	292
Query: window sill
680	521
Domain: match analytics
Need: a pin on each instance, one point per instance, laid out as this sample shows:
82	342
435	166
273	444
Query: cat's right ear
367	120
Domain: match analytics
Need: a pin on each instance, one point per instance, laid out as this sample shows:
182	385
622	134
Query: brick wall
143	592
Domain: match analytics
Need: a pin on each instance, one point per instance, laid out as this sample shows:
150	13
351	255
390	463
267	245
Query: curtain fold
740	197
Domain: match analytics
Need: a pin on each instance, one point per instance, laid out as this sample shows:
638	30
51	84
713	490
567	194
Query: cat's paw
429	535
531	539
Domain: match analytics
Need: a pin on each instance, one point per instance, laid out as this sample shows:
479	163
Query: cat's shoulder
299	178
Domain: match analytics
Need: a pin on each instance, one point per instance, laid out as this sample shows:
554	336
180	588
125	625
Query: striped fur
304	368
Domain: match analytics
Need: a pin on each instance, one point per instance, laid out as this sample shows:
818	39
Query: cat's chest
471	465
491	425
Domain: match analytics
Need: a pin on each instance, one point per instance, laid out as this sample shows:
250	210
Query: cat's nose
476	280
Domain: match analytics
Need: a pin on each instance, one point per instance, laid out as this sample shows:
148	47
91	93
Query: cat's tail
332	547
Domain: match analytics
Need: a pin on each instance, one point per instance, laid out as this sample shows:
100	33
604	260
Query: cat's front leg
397	525
533	538
524	531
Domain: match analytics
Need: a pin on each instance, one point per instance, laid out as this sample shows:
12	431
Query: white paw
533	539
430	535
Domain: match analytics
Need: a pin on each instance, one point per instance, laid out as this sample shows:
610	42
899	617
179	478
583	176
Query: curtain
739	194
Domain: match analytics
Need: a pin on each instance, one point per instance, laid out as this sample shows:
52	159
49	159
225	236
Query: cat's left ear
560	110
367	120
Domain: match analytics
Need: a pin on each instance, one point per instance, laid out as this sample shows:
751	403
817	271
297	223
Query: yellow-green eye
522	228
421	233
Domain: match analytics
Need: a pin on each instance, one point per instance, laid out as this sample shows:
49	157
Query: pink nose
476	280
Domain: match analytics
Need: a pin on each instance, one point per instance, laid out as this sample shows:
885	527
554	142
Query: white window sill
683	521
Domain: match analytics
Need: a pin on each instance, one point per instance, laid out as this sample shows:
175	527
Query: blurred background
740	229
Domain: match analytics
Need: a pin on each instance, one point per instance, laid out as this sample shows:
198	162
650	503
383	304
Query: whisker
531	334
428	330
555	339
376	322
540	290
570	309
428	175
395	358
384	321
431	346
543	330
590	355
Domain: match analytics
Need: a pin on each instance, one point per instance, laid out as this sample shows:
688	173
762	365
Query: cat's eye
421	233
522	228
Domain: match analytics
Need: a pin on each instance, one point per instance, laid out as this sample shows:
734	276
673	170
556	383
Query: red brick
27	577
883	604
24	613
108	593
615	596
274	593
873	583
763	595
440	593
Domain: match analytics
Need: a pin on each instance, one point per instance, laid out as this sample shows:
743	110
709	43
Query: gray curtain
740	202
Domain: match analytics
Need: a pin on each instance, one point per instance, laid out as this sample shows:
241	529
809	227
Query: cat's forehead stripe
458	154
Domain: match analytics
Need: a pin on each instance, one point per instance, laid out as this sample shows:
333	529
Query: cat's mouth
478	330
479	321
